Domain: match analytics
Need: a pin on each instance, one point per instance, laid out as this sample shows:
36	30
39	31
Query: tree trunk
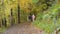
18	14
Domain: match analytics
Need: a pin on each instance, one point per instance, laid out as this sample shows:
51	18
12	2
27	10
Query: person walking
33	17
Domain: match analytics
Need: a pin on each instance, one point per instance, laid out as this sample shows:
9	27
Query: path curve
23	28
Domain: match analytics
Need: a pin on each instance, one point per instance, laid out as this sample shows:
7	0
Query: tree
18	14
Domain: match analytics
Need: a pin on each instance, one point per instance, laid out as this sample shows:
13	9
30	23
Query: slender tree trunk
18	14
0	22
5	22
11	17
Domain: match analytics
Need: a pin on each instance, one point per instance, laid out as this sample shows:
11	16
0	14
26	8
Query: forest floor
23	28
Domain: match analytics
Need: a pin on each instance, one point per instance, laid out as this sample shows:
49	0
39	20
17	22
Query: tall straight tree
11	17
18	13
3	13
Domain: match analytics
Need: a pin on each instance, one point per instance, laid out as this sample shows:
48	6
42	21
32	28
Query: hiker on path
33	17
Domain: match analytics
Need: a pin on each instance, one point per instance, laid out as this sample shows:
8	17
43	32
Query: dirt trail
23	28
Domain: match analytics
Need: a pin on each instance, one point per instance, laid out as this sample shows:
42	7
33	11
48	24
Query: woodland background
16	11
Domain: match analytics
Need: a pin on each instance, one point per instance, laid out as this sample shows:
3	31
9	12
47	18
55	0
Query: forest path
23	28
